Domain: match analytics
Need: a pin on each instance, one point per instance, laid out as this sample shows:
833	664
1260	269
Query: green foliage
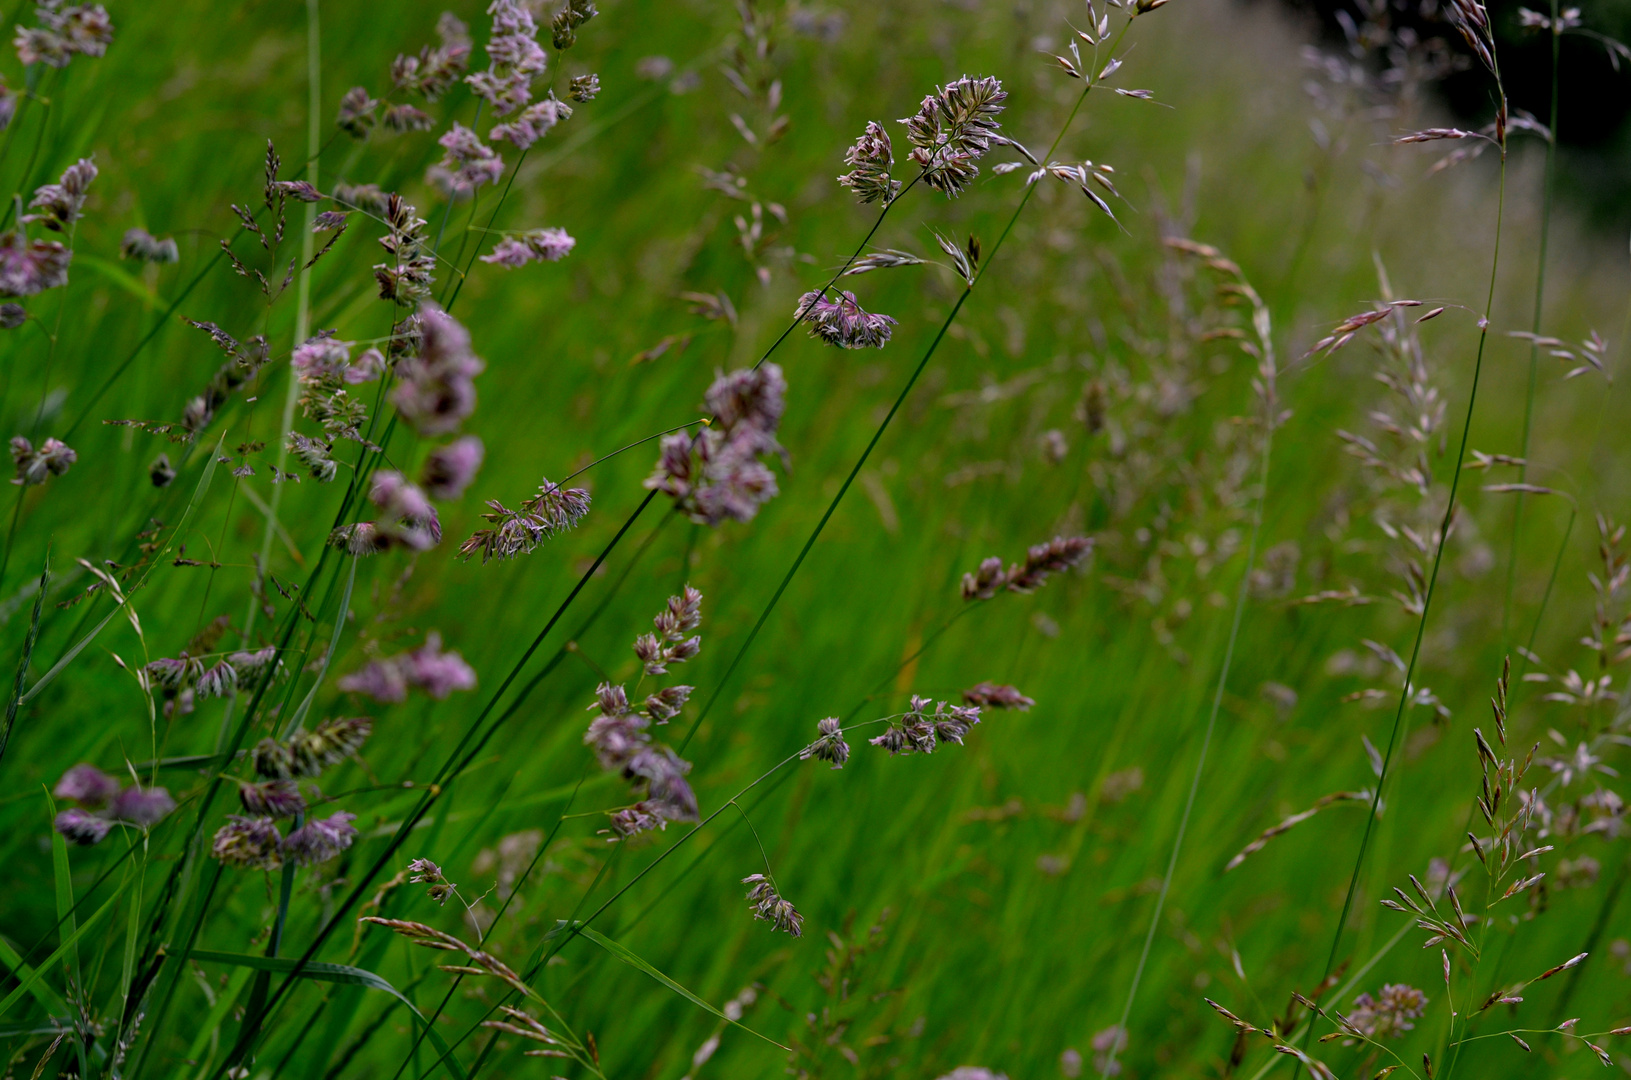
985	904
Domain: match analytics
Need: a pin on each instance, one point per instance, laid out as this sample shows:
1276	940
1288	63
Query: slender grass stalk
554	662
302	316
1427	603
1534	330
20	682
1241	593
457	763
945	326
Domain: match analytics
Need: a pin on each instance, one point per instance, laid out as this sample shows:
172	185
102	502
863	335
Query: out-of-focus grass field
1012	879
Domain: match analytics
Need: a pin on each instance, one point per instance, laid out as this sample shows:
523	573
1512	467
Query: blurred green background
1011	880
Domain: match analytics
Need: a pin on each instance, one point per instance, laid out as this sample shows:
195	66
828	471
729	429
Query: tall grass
337	815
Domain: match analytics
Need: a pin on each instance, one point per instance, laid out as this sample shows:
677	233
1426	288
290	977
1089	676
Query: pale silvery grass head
953	128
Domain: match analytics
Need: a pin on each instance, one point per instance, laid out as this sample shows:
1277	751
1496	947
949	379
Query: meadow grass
1004	904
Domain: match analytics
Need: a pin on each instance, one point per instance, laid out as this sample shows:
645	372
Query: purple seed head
144	807
320	840
452	468
272	798
35	466
86	785
82	828
250	843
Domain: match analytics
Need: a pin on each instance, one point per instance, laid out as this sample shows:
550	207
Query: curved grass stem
1427	604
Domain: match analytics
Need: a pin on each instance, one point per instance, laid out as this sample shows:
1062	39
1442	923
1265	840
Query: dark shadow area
1594	81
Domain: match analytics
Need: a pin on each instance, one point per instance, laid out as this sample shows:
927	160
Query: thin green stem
1241	594
302	315
775	598
1534	331
1427	602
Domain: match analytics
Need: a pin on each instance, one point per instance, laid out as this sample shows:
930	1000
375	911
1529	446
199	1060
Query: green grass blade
133	933
328	657
72	941
335	973
33	635
186	516
43	993
218	1013
121	277
634	961
62	877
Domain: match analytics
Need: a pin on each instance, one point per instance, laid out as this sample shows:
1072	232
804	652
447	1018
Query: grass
985	905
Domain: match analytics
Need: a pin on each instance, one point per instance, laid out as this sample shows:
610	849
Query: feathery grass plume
406	519
869	161
533	124
1041	562
366	197
244	360
271	798
323	360
248	843
320	839
1080	176
403	117
410	270
564	27
534	245
324	369
142	806
308	753
36	465
60	203
1292	822
185	676
621	743
584	88
519	532
918	731
953	128
716	475
315	455
64	32
996	696
882	260
515	58
1389	1014
450	469
86	785
426	668
29	267
437	67
769	905
964	260
142	246
326	745
82	827
528	1027
481	962
466	164
358	113
842	322
425	872
669	645
436	389
829	744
